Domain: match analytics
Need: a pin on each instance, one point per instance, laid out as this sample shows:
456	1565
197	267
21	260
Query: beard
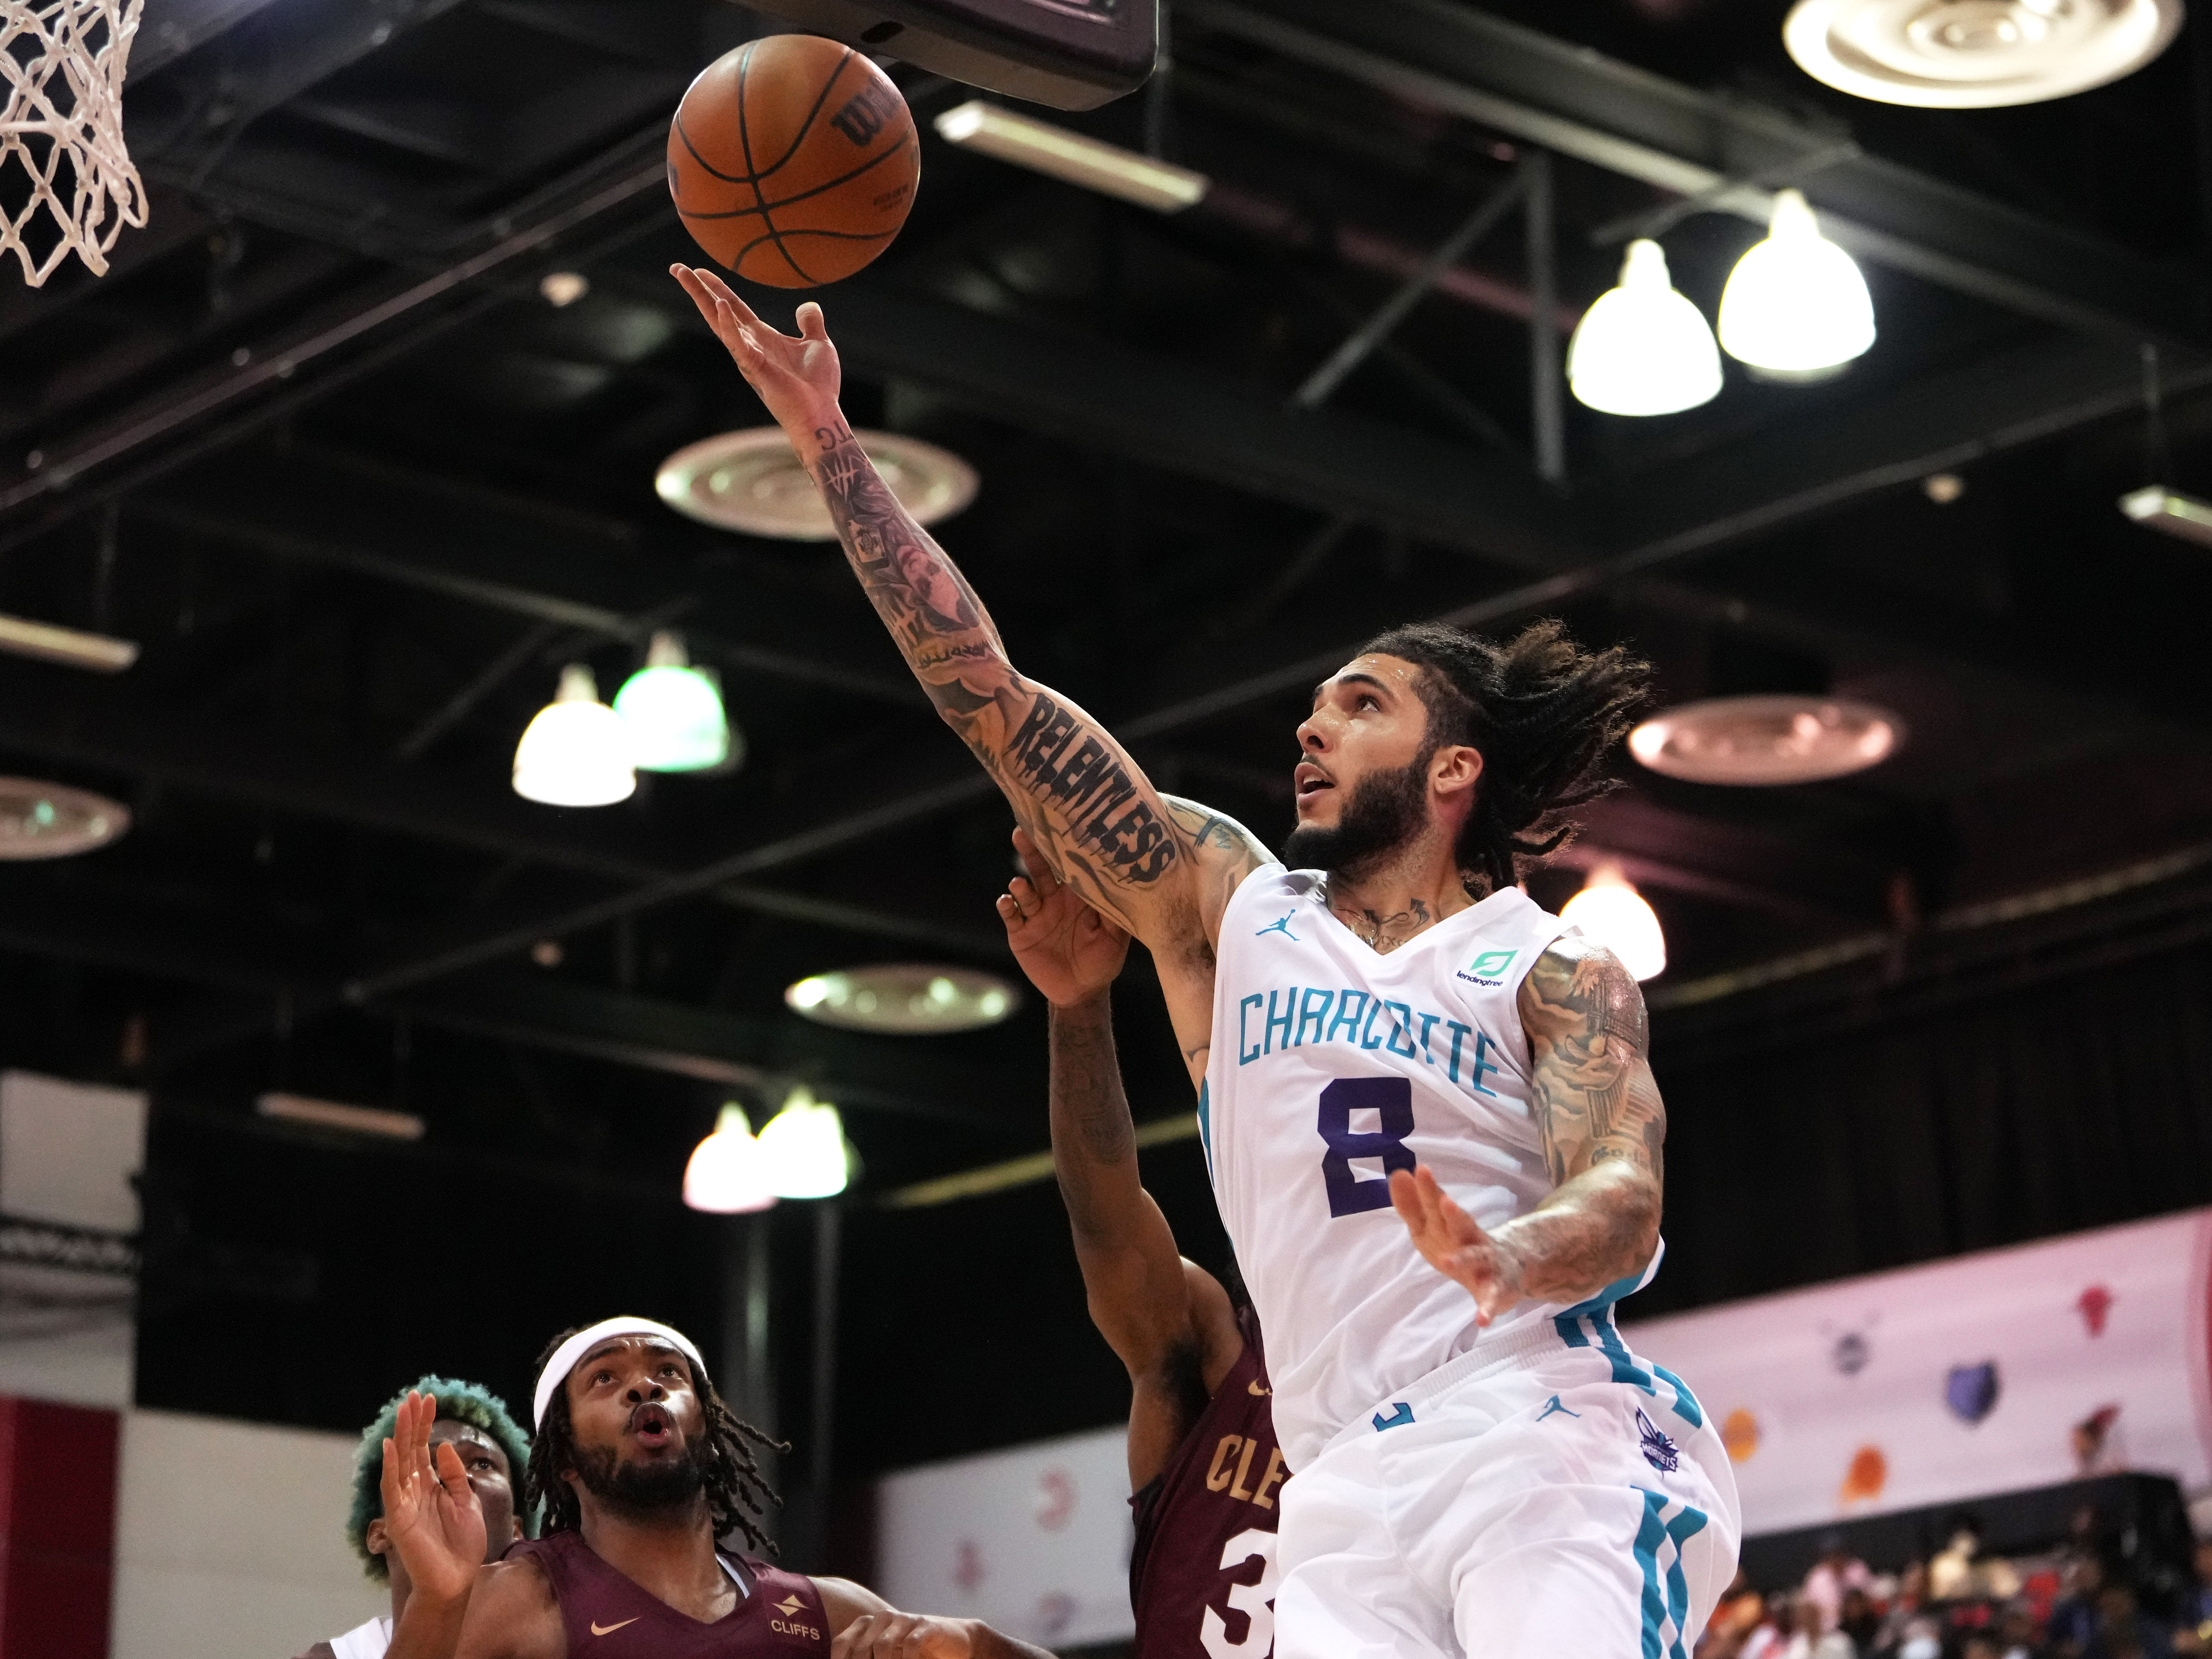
642	1489
1385	811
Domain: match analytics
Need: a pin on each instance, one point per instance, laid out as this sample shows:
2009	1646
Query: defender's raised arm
1161	871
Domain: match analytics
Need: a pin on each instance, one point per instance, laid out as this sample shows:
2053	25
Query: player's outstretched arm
869	1627
1167	1319
1603	1126
1097	818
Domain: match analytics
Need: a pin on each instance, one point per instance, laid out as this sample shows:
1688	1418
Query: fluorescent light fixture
750	481
804	1150
103	655
673	712
728	1173
2157	508
576	752
909	998
1642	349
336	1114
1766	740
1796	303
1976	54
1071	157
1612	912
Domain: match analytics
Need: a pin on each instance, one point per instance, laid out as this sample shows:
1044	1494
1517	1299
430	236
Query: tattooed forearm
1600	1122
1094	1142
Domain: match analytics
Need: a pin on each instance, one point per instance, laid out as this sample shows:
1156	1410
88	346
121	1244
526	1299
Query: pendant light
1643	349
1614	914
673	712
728	1171
802	1147
1796	304
576	751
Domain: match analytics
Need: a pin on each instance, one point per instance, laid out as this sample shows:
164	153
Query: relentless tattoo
1079	770
1384	935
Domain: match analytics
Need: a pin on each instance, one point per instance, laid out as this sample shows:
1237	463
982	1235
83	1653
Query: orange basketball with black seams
792	160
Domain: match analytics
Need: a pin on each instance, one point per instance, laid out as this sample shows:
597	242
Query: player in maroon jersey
640	1468
1203	1463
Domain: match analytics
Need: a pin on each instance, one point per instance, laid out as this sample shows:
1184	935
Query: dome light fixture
674	712
1642	349
1766	740
576	752
728	1173
749	480
908	999
1975	54
804	1150
1610	910
40	820
1796	304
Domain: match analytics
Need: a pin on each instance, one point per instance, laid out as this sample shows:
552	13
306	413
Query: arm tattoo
1595	1100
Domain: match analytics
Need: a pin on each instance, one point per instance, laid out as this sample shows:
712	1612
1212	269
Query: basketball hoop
66	181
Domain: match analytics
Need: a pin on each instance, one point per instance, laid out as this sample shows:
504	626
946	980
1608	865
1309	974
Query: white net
66	181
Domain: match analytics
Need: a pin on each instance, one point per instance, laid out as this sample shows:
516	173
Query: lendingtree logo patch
1488	967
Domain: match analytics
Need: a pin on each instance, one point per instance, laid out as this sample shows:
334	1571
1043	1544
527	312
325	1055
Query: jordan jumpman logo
1282	927
1553	1405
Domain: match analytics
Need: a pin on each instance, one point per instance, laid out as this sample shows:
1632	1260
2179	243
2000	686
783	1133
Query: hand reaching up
430	1511
797	379
1453	1243
1070	953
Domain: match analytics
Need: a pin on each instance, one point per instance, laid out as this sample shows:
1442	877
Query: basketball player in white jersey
1481	1466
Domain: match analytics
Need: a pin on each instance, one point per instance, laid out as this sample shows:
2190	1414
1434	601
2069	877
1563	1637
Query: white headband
566	1356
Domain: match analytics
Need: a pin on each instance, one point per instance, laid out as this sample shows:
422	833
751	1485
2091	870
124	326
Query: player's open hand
1070	953
430	1511
1453	1243
797	379
893	1635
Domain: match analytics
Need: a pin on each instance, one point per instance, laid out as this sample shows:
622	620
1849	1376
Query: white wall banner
1035	1540
1993	1372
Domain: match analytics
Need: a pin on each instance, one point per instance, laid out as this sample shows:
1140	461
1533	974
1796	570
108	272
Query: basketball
792	160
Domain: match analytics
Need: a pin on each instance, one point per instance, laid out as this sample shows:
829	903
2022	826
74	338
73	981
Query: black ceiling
316	440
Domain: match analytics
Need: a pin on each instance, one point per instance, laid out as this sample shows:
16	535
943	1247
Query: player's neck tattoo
1381	933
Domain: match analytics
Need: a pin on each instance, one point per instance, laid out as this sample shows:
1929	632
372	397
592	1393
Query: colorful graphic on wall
1962	1378
1740	1434
1970	1391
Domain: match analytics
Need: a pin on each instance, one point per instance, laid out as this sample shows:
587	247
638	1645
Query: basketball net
66	181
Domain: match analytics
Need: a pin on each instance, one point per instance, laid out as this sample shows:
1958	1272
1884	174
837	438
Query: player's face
1368	718
490	1478
632	1405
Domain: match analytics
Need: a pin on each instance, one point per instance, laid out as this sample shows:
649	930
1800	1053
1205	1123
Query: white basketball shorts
1553	1496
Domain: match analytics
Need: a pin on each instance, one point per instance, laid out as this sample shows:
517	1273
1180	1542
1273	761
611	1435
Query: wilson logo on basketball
863	114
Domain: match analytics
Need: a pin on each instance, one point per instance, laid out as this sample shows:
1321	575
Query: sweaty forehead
623	1348
1394	673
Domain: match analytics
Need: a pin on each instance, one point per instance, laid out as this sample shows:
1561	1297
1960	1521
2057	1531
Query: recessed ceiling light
53	821
910	998
1766	740
1975	54
750	481
563	288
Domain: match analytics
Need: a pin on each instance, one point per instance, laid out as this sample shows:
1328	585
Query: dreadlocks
735	1488
1542	712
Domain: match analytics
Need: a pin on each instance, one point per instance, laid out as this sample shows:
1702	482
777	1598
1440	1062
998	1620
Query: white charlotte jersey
368	1641
1333	1065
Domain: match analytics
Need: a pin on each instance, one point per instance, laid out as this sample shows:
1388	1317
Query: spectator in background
1837	1572
2195	1635
1963	1572
2016	1634
1741	1610
2125	1630
2074	1616
1808	1641
491	1447
1861	1620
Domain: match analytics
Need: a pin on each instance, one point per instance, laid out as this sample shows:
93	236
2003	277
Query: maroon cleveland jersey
1202	1574
608	1615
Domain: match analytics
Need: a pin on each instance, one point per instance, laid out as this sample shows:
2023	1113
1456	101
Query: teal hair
464	1402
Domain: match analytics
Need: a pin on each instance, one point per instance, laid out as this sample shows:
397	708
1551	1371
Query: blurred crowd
2090	1598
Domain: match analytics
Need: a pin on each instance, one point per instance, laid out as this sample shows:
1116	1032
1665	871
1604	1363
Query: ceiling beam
59	920
1578	102
58	717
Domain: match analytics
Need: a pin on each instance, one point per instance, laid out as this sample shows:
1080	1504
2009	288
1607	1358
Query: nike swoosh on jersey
598	1629
1256	1391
